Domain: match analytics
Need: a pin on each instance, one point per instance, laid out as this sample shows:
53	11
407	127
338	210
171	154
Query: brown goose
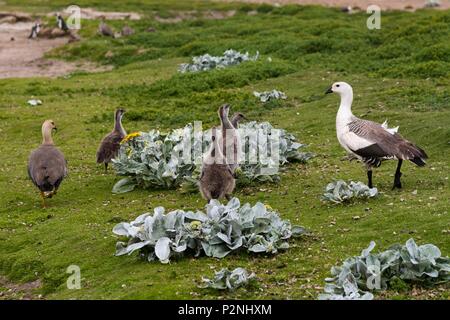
110	145
237	117
369	141
46	165
127	31
216	179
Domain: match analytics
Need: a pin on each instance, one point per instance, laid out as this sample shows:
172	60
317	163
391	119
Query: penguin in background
35	31
61	23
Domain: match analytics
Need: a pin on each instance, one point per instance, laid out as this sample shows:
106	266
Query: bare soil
25	291
21	57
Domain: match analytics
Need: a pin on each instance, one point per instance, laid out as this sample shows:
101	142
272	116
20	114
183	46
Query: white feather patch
384	125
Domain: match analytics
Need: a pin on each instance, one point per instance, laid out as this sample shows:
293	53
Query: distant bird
432	3
127	31
46	165
110	145
216	179
61	23
369	141
35	29
347	9
104	29
237	117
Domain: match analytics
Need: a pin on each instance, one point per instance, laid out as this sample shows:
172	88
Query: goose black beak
330	90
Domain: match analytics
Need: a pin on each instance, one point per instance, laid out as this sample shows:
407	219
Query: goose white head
341	88
345	91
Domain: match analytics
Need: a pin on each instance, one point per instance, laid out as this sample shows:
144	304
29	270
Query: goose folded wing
371	140
109	147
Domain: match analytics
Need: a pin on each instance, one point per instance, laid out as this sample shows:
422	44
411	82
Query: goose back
47	168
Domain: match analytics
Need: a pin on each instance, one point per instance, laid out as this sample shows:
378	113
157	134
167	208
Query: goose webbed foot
106	167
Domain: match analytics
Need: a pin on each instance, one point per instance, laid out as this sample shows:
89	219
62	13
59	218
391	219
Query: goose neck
118	123
47	136
345	108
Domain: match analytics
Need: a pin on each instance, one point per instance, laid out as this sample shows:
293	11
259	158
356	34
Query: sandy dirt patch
23	57
19	291
363	4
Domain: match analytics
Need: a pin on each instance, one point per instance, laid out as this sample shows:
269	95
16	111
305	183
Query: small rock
356	217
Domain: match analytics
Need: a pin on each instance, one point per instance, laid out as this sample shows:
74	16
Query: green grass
398	73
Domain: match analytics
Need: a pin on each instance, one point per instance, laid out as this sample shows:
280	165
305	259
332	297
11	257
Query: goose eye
337	85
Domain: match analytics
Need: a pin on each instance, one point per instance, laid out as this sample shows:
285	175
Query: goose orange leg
43	200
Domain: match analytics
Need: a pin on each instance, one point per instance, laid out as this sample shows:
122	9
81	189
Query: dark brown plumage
127	31
47	166
216	179
110	145
386	145
237	117
104	29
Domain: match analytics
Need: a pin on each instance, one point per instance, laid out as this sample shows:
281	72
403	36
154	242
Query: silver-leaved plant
341	191
269	95
358	276
155	160
207	62
218	231
229	279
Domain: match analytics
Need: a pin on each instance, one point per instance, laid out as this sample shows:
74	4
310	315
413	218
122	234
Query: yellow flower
130	136
196	224
268	207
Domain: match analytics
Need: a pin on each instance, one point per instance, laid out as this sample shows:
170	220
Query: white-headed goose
369	141
110	145
46	165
